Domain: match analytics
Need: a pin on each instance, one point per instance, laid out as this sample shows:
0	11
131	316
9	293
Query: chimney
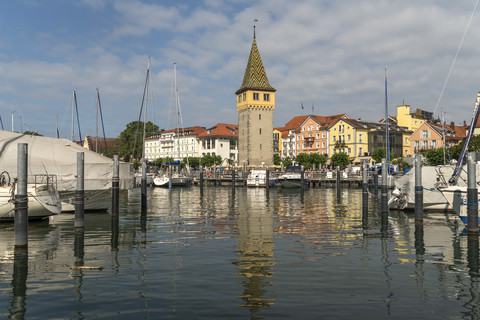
452	124
464	123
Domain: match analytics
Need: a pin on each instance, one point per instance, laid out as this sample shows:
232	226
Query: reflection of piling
115	186
144	184
267	182
364	194
384	189
233	179
418	188
201	182
472	196
79	192
473	256
19	283
21	198
375	183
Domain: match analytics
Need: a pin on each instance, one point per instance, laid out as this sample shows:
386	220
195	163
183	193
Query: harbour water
219	255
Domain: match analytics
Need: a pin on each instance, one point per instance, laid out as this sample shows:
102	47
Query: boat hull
176	182
457	197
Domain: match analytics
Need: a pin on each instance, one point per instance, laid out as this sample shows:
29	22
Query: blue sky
329	54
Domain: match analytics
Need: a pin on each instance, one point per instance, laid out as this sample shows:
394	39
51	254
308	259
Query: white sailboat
43	198
171	178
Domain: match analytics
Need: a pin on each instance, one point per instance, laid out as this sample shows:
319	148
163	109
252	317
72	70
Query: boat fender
208	174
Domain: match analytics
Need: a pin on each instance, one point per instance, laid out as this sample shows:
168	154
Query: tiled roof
220	130
255	77
187	131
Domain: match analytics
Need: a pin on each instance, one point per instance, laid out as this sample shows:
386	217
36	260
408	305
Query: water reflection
79	254
473	270
255	259
19	284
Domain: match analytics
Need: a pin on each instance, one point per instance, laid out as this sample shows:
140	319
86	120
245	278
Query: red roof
220	130
188	131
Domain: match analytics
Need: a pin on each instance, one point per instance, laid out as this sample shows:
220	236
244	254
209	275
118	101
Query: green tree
317	159
340	159
401	163
379	154
127	139
32	133
287	162
277	160
208	160
193	162
303	160
434	157
473	146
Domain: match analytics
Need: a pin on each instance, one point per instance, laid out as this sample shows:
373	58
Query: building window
318	144
348	137
323	144
360	138
266	97
260	131
260	147
239	98
256	96
259	117
349	150
318	135
360	153
244	96
334	138
323	134
425	134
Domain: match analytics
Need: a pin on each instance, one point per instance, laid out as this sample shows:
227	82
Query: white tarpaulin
59	157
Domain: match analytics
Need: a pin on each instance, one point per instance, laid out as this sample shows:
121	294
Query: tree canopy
308	160
379	154
340	159
127	139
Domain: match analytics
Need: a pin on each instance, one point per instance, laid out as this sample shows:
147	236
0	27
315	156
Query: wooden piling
21	198
418	188
80	192
472	195
115	186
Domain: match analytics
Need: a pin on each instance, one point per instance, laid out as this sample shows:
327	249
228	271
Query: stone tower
255	105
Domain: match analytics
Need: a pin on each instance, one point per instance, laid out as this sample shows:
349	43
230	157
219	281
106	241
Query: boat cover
59	157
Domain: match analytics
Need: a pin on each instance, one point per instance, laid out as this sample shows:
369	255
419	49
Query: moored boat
292	178
258	178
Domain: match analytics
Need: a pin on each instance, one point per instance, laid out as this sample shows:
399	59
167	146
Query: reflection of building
255	259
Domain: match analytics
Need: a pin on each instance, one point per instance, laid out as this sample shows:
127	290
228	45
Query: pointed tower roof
255	77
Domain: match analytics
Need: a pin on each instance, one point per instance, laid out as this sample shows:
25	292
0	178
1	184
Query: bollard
384	189
338	182
472	195
302	179
364	193
21	198
79	192
144	184
418	188
115	186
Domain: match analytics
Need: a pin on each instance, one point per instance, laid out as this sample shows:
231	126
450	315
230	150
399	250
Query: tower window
260	130
256	96
266	97
239	98
259	117
244	96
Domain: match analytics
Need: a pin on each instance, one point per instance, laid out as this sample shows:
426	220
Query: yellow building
255	105
412	121
277	141
349	136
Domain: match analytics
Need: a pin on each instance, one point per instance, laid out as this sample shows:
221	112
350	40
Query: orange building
435	135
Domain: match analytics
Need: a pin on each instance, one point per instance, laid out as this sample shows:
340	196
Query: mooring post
21	198
472	194
365	189
115	185
144	184
375	182
267	179
338	181
418	188
302	178
384	189
201	179
79	192
233	179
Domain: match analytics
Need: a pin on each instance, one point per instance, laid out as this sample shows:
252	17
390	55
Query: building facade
220	140
255	106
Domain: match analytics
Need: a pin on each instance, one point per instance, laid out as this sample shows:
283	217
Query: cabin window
266	97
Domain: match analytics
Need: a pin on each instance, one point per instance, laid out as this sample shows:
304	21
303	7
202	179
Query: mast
73	112
176	106
140	114
444	140
461	158
101	119
387	123
96	122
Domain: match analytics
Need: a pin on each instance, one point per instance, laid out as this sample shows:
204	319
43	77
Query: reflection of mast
255	259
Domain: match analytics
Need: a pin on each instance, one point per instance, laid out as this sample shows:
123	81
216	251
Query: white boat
177	180
59	157
292	178
43	198
457	198
258	178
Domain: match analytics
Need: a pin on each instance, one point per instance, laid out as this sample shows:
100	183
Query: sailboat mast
387	123
96	122
145	114
176	106
73	113
140	114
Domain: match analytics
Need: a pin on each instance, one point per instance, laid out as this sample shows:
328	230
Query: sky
329	56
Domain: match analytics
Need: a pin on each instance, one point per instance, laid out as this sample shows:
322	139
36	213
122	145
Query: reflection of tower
255	252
